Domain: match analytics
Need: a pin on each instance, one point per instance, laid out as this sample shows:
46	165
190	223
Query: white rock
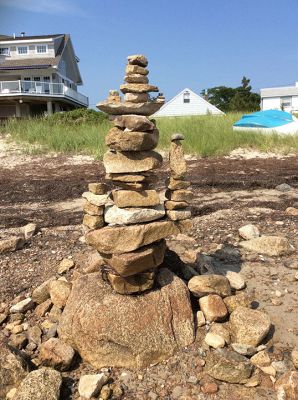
22	306
249	231
10	394
214	340
126	216
96	199
29	230
236	280
201	321
90	385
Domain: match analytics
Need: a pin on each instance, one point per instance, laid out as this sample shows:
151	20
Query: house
186	103
280	98
38	75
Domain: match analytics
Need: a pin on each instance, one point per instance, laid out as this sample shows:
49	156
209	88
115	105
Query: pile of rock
177	194
132	245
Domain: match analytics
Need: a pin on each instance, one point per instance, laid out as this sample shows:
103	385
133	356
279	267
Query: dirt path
228	194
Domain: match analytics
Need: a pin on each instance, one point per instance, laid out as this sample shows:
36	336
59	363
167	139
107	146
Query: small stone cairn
128	225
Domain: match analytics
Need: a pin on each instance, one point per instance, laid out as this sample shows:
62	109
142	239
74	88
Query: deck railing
36	88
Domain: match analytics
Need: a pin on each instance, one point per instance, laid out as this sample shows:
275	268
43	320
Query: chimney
23	34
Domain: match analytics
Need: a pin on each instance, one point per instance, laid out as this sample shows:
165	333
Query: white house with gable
187	103
280	98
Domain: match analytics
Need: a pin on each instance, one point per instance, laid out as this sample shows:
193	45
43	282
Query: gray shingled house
38	74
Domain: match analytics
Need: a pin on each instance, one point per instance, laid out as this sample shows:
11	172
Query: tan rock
221	329
294	355
41	293
131	162
29	230
138	59
124	239
249	326
292	211
138	88
136	69
261	359
138	186
42	384
175	205
54	353
177	184
178	215
90	385
214	340
97	188
12	370
136	78
120	140
133	332
134	123
145	258
228	366
93	221
130	198
65	265
201	321
269	245
179	195
43	308
132	284
241	299
136	97
11	244
236	280
91	209
127	216
249	231
127	107
59	292
288	383
126	177
202	285
96	199
213	307
177	162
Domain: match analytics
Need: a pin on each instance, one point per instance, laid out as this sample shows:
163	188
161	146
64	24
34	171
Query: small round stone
177	136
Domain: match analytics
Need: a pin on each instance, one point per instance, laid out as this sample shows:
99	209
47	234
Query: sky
189	43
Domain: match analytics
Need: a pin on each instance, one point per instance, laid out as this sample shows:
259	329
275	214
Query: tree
235	99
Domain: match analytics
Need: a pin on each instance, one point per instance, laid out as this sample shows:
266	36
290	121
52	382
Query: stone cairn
128	226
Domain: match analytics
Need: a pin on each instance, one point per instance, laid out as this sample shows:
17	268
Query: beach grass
205	135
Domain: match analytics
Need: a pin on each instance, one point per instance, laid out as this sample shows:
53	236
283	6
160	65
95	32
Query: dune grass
205	135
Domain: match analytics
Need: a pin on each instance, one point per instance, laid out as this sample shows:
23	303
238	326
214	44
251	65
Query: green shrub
77	117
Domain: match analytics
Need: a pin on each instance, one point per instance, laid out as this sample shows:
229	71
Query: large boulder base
109	330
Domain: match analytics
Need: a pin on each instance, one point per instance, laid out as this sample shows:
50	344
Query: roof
4	38
29	63
279	91
177	110
36	63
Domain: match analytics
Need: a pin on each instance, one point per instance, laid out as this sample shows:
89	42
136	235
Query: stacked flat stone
133	242
178	196
96	198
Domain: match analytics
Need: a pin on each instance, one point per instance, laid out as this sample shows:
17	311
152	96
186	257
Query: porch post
18	110
50	107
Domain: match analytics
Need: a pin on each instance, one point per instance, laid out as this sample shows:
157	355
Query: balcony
41	89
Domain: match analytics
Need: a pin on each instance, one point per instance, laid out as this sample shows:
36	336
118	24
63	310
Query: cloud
56	7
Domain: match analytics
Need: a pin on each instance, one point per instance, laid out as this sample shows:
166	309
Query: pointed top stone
138	59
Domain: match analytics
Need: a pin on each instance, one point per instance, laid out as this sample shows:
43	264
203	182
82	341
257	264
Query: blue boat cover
265	119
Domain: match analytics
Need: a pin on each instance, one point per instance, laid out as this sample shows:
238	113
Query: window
286	102
4	51
186	97
41	48
23	50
